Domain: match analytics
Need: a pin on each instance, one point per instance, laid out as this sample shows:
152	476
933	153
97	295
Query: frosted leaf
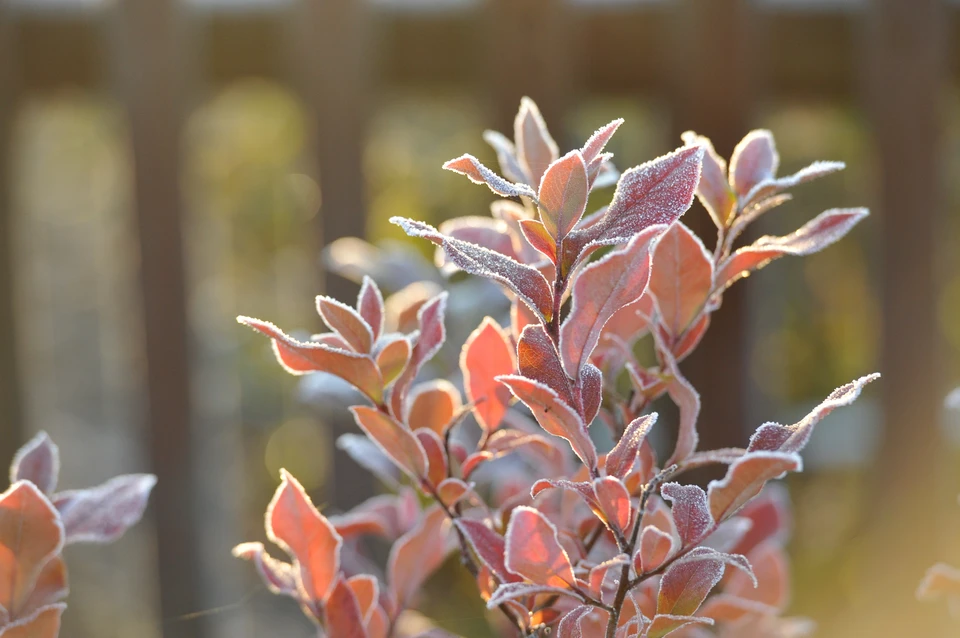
535	147
754	160
820	232
713	190
430	337
793	438
595	145
38	461
507	157
490	233
563	195
690	511
806	174
591	391
745	478
538	359
687	399
347	323
682	278
370	306
479	174
525	281
511	591
533	550
621	458
102	514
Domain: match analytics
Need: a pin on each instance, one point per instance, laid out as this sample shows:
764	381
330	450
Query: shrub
582	544
37	522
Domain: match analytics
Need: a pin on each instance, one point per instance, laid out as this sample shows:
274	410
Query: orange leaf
432	405
745	478
346	322
563	195
682	278
394	439
487	354
534	551
418	554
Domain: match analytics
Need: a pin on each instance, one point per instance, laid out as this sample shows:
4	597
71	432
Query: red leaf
396	441
774	437
431	336
479	174
682	278
538	359
656	192
686	584
614	500
43	623
525	281
417	555
489	547
591	391
745	478
769	518
370	306
621	458
595	145
600	290
563	195
820	232
38	461
534	551
754	160
537	236
31	536
432	446
535	147
295	525
392	359
278	576
432	405
553	415
342	617
656	546
300	358
690	512
102	514
713	190
346	322
487	353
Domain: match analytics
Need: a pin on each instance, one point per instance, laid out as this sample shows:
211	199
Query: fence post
148	55
332	61
11	409
904	55
709	76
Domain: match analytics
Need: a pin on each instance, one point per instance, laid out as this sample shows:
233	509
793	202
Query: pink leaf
535	147
656	192
656	546
583	622
754	160
432	405
538	359
511	591
396	441
38	461
806	174
42	623
341	615
822	231
346	322
771	586
614	500
487	354
688	401
600	290
745	478
621	458
489	547
686	584
102	514
370	306
431	337
595	145
690	512
682	278
31	536
525	281
664	624
493	234
295	525
418	554
774	437
278	576
433	448
534	551
300	358
563	195
479	174
553	415
713	191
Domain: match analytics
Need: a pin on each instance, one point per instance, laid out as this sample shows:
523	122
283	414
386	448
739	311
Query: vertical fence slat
710	79
904	54
333	54
11	411
148	50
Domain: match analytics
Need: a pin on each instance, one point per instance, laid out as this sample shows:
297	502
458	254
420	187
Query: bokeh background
168	164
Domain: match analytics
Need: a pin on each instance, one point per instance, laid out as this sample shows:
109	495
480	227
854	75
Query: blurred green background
372	98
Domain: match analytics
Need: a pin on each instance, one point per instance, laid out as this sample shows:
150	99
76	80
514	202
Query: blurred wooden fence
713	59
